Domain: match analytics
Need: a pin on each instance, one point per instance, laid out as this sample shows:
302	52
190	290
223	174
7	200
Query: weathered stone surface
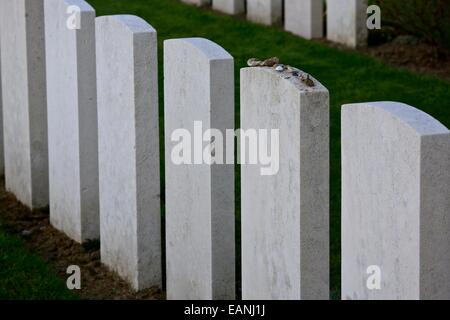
198	2
285	217
200	249
304	18
265	11
229	6
24	100
395	203
346	22
72	119
130	215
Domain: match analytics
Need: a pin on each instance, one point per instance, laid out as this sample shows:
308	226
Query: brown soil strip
419	57
59	251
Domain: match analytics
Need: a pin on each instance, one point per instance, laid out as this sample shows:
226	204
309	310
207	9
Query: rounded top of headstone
83	5
210	50
133	23
299	79
419	121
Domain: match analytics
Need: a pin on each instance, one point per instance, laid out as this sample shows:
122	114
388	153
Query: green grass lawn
26	276
350	77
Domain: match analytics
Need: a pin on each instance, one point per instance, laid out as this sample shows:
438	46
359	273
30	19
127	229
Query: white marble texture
229	6
130	215
200	246
265	11
304	18
395	202
285	217
346	22
72	120
24	100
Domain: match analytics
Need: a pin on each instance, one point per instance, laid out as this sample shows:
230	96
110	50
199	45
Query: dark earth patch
416	56
59	251
409	53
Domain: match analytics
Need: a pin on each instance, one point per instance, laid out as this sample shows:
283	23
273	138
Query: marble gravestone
304	18
395	203
128	117
265	11
347	22
229	6
285	215
72	118
200	246
24	100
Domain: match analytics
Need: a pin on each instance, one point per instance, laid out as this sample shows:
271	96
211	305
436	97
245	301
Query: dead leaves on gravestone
307	80
253	62
274	62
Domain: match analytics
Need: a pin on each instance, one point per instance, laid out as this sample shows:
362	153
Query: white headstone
265	11
198	2
347	22
130	215
72	118
285	215
229	6
395	203
200	246
24	100
304	18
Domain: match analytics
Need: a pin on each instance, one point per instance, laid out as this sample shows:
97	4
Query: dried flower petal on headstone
271	62
253	62
307	80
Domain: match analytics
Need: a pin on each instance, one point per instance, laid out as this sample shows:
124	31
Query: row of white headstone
93	91
346	19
